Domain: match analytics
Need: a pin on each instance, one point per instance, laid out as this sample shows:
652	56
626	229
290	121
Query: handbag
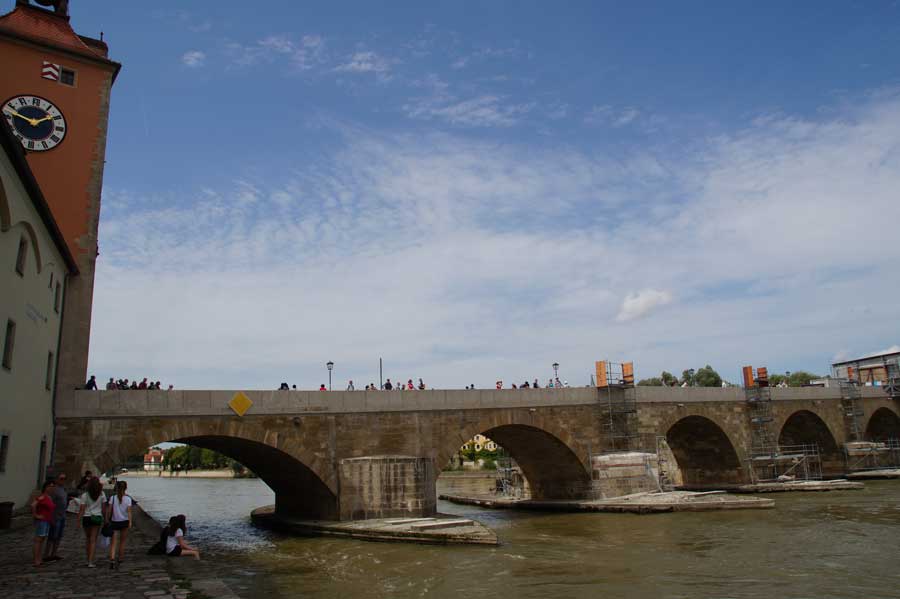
107	530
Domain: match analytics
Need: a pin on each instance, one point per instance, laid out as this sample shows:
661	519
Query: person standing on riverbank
119	518
42	509
176	544
58	523
90	517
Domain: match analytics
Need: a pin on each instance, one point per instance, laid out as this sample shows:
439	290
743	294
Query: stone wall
308	445
387	487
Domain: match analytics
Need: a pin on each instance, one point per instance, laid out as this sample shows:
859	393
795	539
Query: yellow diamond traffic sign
240	403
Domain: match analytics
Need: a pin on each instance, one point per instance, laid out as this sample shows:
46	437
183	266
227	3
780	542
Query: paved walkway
140	576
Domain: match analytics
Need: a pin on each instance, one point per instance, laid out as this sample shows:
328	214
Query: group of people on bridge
125	385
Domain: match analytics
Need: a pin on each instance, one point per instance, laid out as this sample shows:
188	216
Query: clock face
37	123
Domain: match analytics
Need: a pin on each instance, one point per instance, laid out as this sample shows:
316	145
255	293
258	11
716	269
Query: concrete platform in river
442	529
885	473
638	503
800	486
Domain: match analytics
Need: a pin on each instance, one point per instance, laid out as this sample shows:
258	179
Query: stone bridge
352	455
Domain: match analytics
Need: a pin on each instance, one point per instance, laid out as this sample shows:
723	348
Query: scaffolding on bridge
892	378
862	456
769	461
616	383
851	406
509	481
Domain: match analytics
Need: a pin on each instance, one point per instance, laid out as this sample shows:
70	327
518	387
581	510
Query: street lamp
691	377
555	370
787	378
330	367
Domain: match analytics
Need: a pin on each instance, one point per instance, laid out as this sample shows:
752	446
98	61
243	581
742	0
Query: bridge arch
883	424
705	455
546	456
805	427
302	483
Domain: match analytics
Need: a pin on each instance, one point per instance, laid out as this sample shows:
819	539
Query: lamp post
556	371
330	367
691	377
787	378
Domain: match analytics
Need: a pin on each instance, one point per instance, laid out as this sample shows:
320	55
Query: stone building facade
35	266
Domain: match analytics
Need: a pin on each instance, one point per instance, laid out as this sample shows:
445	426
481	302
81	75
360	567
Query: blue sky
473	191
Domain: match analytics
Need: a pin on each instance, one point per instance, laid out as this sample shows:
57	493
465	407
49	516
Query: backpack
159	548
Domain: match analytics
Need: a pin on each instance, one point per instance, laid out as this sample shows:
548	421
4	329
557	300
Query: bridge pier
387	487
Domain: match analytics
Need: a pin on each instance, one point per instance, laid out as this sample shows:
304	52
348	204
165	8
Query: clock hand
39	121
32	122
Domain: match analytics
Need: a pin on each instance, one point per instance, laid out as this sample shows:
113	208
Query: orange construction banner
602	380
748	377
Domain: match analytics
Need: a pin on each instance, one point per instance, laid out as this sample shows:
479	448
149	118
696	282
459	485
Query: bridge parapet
100	404
718	394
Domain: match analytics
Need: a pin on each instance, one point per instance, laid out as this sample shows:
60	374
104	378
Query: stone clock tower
55	87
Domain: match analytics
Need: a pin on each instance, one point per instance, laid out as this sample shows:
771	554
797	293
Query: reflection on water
837	544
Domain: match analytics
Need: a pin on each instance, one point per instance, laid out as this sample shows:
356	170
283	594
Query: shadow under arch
883	424
807	428
552	469
299	491
705	454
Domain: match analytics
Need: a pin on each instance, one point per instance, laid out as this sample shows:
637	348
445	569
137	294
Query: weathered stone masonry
350	455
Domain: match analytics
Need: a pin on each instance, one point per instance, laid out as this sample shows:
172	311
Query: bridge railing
81	404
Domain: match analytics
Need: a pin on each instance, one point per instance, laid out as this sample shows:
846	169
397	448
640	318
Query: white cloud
303	53
364	62
890	350
193	58
605	114
450	256
482	54
636	305
482	111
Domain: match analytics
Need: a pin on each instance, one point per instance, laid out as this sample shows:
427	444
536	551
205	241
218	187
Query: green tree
707	377
651	382
796	379
668	379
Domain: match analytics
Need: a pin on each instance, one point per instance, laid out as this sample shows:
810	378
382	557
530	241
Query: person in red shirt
322	387
42	509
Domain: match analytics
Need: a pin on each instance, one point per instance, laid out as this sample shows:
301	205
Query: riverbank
139	576
223	473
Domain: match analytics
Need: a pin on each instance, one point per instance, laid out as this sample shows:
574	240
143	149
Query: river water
836	544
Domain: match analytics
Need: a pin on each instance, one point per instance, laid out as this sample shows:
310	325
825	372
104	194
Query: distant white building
868	370
35	265
153	460
479	443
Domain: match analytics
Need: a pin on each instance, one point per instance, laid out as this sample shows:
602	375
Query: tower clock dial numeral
36	121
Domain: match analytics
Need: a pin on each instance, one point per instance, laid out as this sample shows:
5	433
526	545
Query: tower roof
34	24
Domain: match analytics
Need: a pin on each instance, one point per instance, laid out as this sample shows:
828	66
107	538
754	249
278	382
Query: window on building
8	344
56	297
20	257
67	76
49	378
4	451
42	462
